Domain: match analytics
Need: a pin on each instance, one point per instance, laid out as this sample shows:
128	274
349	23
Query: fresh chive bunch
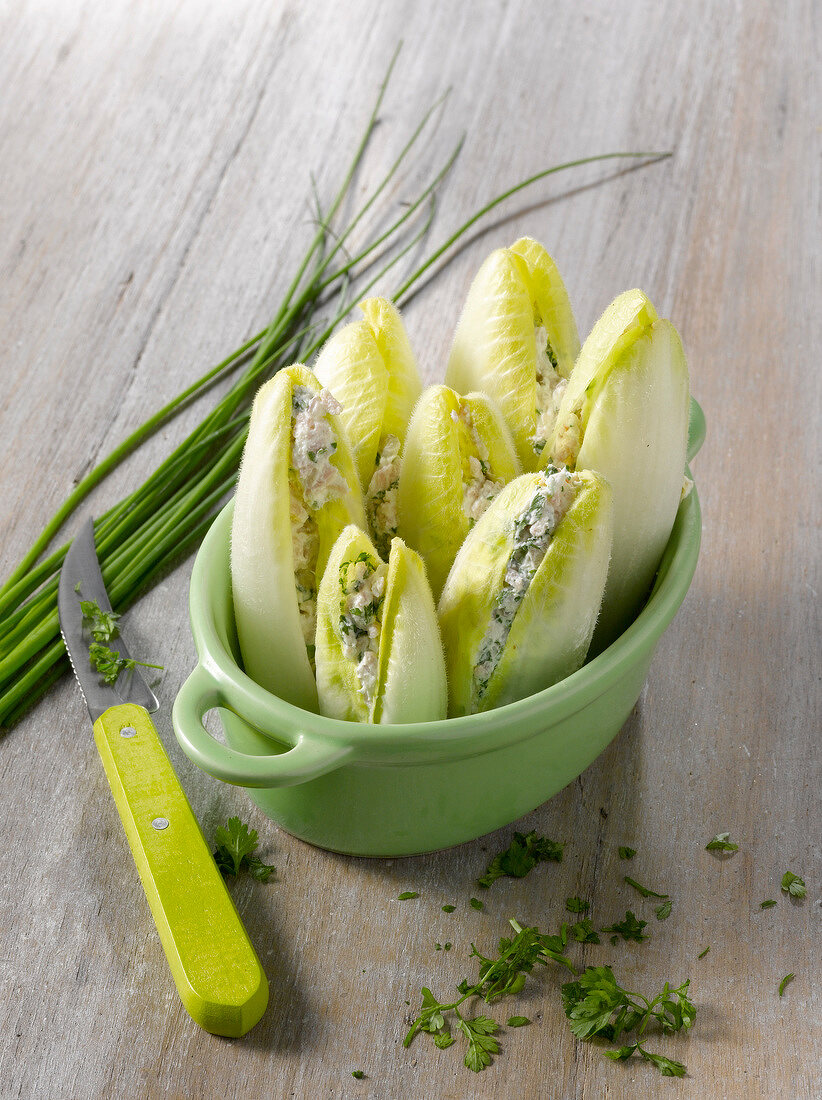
143	535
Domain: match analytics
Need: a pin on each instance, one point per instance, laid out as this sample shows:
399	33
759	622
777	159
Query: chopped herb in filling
312	481
381	497
550	388
533	530
362	583
479	488
313	444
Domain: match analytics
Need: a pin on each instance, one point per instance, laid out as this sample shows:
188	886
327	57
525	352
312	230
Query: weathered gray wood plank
154	195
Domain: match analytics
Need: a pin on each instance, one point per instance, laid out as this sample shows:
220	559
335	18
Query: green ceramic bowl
401	790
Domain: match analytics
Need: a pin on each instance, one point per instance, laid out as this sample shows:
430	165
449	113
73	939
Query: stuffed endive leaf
379	654
517	341
625	414
519	607
371	370
458	455
297	490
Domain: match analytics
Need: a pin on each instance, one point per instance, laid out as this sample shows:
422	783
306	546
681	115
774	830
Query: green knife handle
215	968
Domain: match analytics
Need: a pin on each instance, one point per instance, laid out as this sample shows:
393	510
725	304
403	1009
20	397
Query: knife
215	968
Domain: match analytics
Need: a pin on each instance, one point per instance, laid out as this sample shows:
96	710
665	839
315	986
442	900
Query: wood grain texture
154	189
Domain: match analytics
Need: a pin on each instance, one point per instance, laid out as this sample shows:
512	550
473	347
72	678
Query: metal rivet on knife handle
128	731
160	823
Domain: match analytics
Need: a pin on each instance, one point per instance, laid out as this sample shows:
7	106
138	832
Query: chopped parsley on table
583	931
498	977
594	1002
630	929
597	1006
792	884
521	856
720	843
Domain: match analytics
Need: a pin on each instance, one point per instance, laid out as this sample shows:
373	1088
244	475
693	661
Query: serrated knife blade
214	965
81	579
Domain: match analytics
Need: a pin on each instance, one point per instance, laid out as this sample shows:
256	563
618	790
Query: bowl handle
308	759
696	429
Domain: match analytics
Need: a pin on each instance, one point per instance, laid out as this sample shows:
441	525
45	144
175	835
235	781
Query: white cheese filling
313	443
533	528
569	440
312	481
363	594
478	488
381	497
550	388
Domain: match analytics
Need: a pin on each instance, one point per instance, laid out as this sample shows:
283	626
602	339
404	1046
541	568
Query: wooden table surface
155	191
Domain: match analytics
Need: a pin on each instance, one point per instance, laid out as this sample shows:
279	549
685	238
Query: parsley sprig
499	977
793	885
109	663
721	843
479	1031
522	855
594	1002
506	974
598	1006
104	627
236	844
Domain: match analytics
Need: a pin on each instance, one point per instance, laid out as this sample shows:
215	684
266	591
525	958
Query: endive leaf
412	665
551	301
271	509
626	319
458	454
370	368
351	367
625	415
404	382
516	340
379	655
509	632
339	689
